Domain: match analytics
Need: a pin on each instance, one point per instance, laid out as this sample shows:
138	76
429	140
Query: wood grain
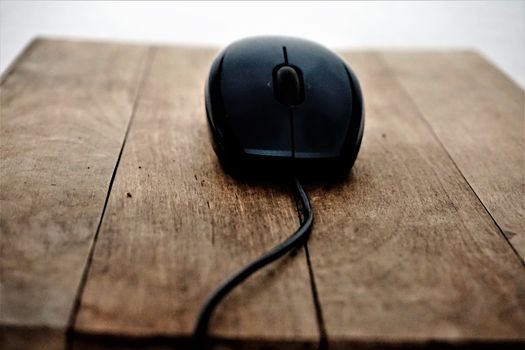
404	252
64	111
479	116
176	226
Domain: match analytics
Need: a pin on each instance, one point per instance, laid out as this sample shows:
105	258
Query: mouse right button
321	122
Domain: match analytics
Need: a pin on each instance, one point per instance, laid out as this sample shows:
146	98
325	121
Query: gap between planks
69	341
56	119
440	142
477	113
323	336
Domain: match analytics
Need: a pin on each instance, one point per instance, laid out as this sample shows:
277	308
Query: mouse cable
295	240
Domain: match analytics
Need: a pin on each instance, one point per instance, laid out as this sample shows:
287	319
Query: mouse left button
257	119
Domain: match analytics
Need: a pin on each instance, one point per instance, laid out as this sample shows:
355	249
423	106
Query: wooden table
117	220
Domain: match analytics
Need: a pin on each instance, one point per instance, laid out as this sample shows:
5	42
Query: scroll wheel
288	86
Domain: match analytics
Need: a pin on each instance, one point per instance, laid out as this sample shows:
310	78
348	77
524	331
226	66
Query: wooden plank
176	226
404	252
64	111
478	115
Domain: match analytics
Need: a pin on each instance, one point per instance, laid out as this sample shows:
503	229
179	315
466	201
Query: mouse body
275	103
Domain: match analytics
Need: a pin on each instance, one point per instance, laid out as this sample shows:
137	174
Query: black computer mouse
279	103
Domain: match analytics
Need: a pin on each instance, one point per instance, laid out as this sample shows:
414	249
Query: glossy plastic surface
254	128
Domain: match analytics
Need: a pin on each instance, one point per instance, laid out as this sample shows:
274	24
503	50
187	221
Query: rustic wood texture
478	115
64	111
420	245
404	250
176	226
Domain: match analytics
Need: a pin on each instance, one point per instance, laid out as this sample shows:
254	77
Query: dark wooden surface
116	219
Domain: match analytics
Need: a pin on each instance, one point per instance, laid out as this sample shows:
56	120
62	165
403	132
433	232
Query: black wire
300	236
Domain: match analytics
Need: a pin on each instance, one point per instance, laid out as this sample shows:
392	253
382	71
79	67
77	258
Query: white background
495	28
